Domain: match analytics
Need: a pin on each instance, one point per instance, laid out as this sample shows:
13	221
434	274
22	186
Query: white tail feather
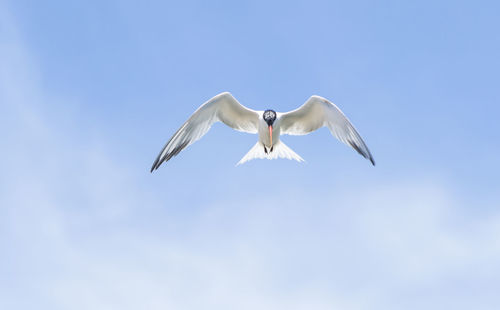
280	150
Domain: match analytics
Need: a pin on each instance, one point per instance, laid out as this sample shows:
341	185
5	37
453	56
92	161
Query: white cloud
361	257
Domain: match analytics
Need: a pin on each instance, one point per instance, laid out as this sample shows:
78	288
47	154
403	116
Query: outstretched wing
224	108
318	112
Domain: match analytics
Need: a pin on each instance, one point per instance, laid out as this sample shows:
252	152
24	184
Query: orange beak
271	134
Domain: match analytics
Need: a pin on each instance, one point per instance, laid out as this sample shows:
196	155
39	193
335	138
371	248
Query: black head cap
269	116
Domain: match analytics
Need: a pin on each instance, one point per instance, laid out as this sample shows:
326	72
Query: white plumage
269	125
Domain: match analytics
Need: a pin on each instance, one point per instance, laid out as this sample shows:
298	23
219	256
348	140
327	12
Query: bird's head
269	116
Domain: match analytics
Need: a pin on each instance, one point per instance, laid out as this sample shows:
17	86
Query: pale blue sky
90	92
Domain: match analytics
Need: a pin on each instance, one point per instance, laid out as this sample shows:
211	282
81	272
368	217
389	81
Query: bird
315	113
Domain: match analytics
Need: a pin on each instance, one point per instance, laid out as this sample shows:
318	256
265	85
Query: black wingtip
372	160
156	164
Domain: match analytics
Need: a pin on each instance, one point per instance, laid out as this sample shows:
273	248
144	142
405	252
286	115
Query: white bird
317	112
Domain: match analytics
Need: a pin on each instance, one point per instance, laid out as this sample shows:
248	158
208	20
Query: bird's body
269	125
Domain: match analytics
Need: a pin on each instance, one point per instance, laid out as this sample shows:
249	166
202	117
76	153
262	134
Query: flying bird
317	112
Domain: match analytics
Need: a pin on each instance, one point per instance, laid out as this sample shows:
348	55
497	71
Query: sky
91	90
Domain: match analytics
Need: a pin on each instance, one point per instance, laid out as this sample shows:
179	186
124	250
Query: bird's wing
224	108
318	112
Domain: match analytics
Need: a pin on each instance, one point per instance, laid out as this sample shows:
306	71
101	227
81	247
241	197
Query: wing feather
224	108
318	112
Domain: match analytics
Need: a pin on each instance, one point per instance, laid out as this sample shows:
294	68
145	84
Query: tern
317	112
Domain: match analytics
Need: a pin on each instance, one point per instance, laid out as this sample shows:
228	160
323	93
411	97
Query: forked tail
280	150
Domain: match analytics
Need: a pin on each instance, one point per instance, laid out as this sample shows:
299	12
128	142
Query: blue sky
90	92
